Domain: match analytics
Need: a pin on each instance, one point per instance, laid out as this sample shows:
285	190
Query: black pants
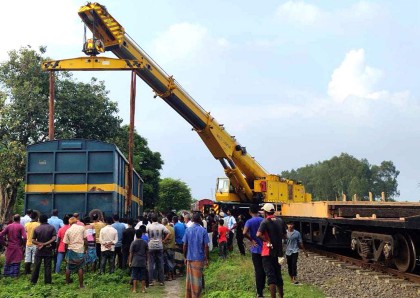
119	255
223	249
47	269
292	264
241	245
230	241
259	273
98	253
110	257
125	254
272	270
215	234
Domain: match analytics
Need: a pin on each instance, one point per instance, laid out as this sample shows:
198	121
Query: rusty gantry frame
97	64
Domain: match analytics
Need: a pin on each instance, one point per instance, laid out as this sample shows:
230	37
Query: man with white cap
272	232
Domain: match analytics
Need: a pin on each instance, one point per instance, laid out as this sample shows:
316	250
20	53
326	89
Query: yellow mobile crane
247	181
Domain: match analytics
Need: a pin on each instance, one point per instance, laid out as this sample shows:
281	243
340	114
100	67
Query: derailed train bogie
398	249
382	232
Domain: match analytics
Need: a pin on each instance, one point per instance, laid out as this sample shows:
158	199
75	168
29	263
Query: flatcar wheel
404	255
413	253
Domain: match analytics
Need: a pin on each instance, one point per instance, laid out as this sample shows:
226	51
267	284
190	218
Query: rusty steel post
131	142
51	107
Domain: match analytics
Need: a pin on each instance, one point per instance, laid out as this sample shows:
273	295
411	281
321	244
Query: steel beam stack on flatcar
79	175
386	232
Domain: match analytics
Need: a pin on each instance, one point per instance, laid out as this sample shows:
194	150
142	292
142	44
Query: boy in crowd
137	260
223	232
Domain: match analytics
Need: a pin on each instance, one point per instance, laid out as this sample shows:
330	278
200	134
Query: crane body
247	181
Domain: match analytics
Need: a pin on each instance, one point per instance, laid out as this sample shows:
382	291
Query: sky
296	82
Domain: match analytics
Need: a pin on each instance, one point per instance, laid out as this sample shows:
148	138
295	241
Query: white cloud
180	41
354	78
186	41
362	9
303	14
300	12
24	24
351	99
352	88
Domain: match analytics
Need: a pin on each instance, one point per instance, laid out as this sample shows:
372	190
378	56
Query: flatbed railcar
79	175
387	232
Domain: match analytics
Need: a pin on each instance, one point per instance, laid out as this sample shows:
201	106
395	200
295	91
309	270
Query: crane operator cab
93	47
225	191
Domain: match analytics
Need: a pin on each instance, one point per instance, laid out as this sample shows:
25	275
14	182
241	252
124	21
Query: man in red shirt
61	251
272	232
222	241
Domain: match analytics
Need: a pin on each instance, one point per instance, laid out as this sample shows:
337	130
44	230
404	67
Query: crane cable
93	36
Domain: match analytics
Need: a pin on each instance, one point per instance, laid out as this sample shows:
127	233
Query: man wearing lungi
16	239
196	252
75	243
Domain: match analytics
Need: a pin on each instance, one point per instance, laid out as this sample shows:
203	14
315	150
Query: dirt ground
174	288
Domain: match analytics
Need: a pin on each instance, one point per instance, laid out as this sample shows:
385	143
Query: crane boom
248	180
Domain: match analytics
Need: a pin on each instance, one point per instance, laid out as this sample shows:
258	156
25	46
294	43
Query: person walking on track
293	243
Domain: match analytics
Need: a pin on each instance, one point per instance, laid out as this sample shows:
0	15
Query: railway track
352	261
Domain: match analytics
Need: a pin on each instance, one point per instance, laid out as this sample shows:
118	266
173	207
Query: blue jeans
60	257
156	263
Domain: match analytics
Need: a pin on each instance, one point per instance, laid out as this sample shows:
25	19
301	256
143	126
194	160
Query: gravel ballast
338	281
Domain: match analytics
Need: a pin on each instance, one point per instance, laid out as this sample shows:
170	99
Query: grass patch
234	277
231	278
107	285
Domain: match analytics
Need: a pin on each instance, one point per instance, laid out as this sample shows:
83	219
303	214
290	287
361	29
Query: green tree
12	169
146	162
344	174
385	180
174	194
83	110
23	119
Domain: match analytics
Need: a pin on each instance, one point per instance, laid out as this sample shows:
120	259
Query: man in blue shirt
294	242
179	229
56	222
250	232
196	252
120	227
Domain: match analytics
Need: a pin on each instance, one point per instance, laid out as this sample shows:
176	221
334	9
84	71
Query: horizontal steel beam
91	63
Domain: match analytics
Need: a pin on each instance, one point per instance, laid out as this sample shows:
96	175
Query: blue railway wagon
78	175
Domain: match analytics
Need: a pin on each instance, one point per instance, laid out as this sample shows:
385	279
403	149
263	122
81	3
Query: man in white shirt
108	237
156	232
27	218
231	224
187	220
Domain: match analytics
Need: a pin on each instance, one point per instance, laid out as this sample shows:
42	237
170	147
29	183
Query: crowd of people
154	248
